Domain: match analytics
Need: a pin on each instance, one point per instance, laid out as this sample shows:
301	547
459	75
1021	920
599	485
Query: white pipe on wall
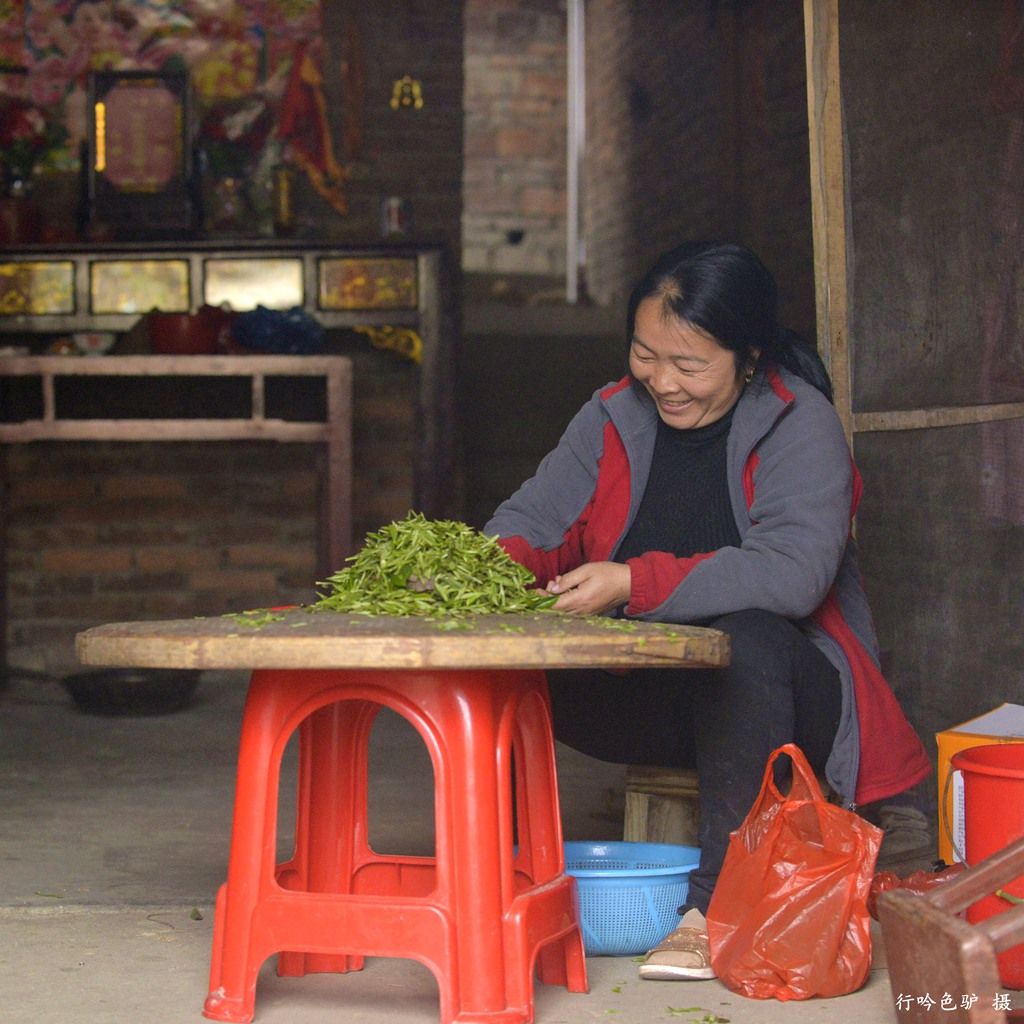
575	246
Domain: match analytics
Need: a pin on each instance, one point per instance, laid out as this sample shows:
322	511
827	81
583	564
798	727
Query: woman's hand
592	589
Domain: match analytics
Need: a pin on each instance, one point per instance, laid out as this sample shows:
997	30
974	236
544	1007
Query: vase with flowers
232	139
27	136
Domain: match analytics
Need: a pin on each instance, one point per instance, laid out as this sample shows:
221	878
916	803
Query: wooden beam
167	366
829	200
948	416
162	430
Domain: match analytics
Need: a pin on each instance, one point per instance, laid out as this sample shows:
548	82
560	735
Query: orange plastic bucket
993	777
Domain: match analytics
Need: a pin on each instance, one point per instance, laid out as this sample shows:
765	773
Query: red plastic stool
481	914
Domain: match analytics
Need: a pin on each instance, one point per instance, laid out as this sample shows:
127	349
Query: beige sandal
684	955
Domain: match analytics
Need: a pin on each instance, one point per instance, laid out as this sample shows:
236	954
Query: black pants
779	688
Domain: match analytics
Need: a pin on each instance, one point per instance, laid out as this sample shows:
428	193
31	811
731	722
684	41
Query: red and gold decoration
406	94
371	283
29	288
402	340
255	74
303	126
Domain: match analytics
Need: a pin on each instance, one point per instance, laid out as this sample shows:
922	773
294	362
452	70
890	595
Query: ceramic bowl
94	343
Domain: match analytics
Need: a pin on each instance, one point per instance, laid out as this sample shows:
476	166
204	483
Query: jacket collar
764	400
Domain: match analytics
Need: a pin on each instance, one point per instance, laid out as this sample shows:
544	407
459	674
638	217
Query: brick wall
696	126
513	218
109	532
406	152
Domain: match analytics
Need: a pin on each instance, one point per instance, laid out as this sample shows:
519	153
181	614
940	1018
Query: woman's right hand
591	589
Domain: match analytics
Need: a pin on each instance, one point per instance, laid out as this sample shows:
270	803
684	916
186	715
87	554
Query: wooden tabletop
301	639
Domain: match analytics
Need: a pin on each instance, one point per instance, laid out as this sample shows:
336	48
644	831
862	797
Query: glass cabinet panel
137	286
244	284
37	288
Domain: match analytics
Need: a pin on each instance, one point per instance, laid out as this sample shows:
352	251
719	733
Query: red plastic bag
919	883
788	918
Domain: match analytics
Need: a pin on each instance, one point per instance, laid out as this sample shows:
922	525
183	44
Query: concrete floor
114	837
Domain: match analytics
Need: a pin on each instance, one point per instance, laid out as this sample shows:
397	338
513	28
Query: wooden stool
662	805
483	914
932	952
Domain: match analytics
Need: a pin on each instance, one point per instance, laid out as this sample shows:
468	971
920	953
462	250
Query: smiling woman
692	379
713	485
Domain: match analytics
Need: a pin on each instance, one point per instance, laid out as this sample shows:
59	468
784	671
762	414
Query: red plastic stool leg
539	820
332	788
561	960
238	954
480	730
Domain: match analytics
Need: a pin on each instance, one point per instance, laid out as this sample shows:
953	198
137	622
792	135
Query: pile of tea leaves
434	568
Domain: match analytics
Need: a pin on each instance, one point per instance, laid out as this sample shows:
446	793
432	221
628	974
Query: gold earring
750	375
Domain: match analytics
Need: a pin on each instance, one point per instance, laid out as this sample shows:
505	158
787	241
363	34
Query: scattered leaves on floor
708	1018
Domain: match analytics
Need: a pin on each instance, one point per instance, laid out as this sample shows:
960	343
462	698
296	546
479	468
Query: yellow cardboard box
1004	724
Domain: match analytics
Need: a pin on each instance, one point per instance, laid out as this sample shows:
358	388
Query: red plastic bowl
185	334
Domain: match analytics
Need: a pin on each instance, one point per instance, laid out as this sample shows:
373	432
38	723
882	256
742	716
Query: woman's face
692	379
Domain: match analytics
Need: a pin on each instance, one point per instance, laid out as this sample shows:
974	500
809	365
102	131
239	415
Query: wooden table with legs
493	905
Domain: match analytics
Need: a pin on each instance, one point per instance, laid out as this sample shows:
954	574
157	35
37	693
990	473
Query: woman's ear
751	365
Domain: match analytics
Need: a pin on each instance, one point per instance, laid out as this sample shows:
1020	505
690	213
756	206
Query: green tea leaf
435	568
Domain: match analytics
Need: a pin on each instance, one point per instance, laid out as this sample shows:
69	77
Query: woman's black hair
724	290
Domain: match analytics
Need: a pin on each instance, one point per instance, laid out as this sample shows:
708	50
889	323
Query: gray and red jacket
794	491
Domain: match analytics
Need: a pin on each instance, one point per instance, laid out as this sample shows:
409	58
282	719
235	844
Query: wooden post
336	497
829	199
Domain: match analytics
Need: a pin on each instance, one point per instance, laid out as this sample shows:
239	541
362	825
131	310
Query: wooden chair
662	805
932	952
